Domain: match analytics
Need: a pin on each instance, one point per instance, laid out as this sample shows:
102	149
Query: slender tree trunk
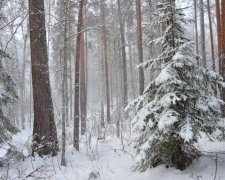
222	54
102	84
70	64
139	42
44	131
124	58
23	81
86	61
196	27
77	77
211	35
202	27
105	56
130	25
116	69
82	86
218	33
64	87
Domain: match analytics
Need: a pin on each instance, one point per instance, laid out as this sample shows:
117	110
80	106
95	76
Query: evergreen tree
7	90
179	104
7	95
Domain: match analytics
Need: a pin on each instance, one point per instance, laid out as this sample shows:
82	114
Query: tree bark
218	22
139	42
102	83
76	136
202	27
23	81
44	131
82	86
211	35
124	58
222	52
64	87
196	26
105	56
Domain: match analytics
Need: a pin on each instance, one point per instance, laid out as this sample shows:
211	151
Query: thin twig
216	167
31	173
7	175
15	31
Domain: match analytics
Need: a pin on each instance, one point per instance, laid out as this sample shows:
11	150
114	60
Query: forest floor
108	160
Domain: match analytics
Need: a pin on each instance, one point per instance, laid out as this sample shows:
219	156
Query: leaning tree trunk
44	131
76	135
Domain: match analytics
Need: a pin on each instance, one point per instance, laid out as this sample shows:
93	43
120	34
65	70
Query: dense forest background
70	71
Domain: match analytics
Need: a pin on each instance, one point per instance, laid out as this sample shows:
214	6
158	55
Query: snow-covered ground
107	160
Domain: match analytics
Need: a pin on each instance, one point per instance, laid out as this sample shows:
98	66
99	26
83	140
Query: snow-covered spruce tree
7	95
7	91
179	104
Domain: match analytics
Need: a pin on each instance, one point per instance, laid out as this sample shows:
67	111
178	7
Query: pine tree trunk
130	25
70	44
196	27
44	131
102	84
77	77
218	22
139	42
202	27
64	87
23	81
86	62
211	35
82	86
222	54
124	58
105	57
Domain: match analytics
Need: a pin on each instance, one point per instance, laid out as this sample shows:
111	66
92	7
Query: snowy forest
112	89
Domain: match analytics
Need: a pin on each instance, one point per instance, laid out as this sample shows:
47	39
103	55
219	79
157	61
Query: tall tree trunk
130	34
86	61
218	33
211	35
82	86
196	26
222	54
140	49
105	56
44	131
23	81
124	58
102	83
70	44
202	27
76	136
64	86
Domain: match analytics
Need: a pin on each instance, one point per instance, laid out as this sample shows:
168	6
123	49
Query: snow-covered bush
179	103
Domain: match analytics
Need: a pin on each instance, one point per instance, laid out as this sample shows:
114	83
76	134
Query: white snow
167	119
109	161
